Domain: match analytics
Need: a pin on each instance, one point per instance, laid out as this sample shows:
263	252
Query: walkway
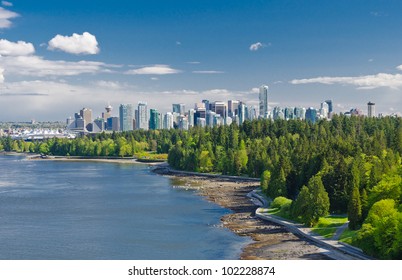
332	247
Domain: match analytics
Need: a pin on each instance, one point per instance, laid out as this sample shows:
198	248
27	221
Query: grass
348	235
151	157
327	226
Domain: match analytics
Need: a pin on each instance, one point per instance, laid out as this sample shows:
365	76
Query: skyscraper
220	108
233	108
311	115
190	117
126	114
263	96
86	115
178	108
371	109
168	121
153	119
142	118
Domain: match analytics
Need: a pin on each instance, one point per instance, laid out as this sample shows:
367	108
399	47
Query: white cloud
20	48
1	75
208	72
5	16
108	84
399	67
193	62
393	81
75	44
158	69
38	67
216	92
6	3
256	46
255	90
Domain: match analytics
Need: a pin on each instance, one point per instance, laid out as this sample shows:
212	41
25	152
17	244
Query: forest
347	165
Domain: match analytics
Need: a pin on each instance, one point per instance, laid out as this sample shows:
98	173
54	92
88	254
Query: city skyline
60	56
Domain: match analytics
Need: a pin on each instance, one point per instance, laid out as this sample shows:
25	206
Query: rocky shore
270	241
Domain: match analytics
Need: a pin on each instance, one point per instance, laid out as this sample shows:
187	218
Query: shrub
281	202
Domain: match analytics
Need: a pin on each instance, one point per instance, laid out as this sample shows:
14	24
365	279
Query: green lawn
348	235
327	226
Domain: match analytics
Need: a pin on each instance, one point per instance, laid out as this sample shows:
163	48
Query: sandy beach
270	241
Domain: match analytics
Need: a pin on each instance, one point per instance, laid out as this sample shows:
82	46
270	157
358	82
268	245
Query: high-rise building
324	110
112	124
263	97
201	122
300	113
190	117
86	115
126	114
199	113
289	113
252	114
142	118
311	115
168	121
233	108
206	102
330	108
153	119
179	108
242	112
220	108
183	122
371	109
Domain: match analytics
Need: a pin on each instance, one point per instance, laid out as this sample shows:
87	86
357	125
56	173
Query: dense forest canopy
346	165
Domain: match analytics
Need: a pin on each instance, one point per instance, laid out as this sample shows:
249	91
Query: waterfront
89	210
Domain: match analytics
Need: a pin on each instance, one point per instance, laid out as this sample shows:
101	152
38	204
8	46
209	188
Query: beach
270	241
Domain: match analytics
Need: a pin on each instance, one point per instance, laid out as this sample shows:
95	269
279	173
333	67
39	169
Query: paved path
339	231
333	248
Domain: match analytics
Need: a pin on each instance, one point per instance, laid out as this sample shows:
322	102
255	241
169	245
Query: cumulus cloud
393	81
39	67
20	48
158	69
256	46
6	3
5	17
75	44
399	67
1	75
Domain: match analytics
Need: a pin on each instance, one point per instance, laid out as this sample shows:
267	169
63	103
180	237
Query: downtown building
126	115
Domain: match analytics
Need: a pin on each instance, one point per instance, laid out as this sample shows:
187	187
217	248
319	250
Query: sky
57	57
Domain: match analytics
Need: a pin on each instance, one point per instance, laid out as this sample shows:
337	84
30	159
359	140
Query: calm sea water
81	210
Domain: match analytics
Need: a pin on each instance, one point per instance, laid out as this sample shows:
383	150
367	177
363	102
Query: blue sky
165	52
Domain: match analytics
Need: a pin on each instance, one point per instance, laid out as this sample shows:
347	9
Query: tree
265	178
205	162
312	202
380	235
354	209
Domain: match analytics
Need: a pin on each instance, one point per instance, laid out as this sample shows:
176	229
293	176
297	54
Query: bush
281	202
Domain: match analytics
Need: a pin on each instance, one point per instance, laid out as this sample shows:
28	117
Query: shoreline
131	160
269	241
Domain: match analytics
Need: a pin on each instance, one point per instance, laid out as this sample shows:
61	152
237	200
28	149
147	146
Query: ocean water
85	210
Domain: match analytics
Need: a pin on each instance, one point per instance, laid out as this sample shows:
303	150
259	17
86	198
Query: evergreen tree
354	209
